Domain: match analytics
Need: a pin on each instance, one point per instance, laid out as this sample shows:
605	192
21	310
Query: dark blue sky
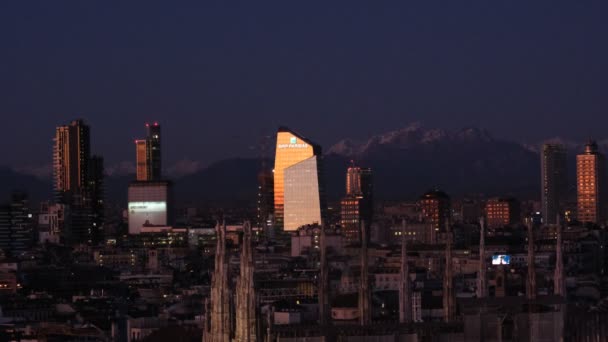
219	74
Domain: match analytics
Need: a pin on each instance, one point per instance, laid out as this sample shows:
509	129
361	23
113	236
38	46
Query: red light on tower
156	124
147	124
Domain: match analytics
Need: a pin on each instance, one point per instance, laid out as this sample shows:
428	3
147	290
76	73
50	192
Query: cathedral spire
246	311
531	282
323	281
220	292
448	287
405	296
559	287
481	274
365	309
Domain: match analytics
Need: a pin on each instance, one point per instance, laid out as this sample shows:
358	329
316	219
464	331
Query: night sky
219	74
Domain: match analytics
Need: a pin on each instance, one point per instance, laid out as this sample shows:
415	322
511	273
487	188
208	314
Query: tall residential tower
357	205
590	180
553	181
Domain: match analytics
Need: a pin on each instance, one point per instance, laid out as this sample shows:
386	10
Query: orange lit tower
590	177
298	196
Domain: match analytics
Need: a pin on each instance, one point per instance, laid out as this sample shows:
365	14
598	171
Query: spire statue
481	274
448	286
246	310
323	281
531	282
405	296
365	301
220	292
559	286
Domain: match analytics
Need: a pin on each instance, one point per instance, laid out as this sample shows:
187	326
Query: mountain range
406	163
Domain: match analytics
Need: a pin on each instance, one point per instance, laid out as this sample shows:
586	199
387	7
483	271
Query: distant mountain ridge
406	162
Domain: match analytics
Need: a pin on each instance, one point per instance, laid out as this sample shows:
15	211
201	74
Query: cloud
183	167
43	172
120	169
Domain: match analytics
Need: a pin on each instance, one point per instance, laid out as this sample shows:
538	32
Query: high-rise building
72	180
149	205
15	225
357	205
553	181
148	154
501	212
590	180
95	191
302	194
435	209
141	159
70	161
297	191
265	204
154	156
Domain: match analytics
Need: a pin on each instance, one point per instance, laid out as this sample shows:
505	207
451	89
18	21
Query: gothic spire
559	287
365	309
323	281
481	274
448	287
531	282
246	311
220	292
405	296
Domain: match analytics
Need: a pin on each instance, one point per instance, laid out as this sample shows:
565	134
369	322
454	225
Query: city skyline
382	67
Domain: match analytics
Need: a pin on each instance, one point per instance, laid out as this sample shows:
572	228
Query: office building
297	190
95	191
70	161
357	205
553	181
265	201
435	209
148	154
501	212
302	195
149	205
15	225
590	182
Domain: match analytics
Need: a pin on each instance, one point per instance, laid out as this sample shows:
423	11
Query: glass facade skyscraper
148	154
553	181
300	186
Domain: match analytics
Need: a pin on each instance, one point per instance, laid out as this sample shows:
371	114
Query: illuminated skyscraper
298	196
154	156
590	178
148	155
357	205
70	161
141	158
553	181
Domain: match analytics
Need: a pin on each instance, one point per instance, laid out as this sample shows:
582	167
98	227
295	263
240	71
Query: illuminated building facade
148	154
149	205
302	195
590	178
553	181
298	196
435	209
70	161
501	212
141	159
357	205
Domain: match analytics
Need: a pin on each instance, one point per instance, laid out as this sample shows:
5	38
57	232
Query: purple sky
219	75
